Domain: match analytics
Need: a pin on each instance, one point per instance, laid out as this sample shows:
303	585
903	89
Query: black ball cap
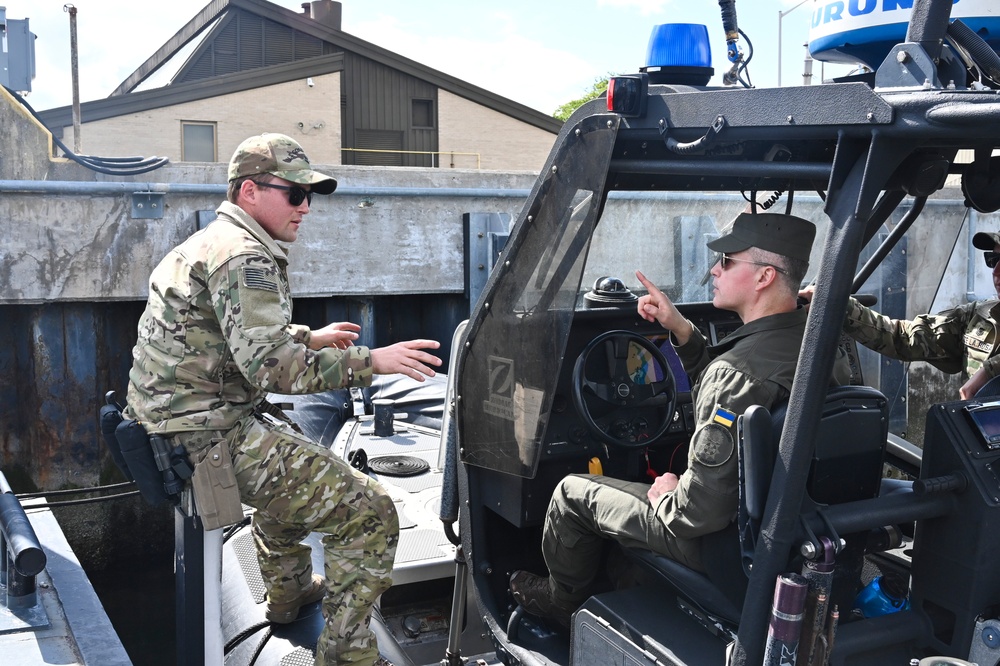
786	235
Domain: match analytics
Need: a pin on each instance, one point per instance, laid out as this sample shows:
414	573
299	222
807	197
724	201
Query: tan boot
288	611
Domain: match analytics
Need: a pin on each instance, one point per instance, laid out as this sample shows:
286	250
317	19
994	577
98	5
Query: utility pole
74	68
781	15
807	68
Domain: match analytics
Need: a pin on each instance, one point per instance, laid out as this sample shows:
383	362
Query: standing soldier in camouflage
215	338
962	339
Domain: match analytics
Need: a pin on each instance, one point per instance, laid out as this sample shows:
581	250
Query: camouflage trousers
298	487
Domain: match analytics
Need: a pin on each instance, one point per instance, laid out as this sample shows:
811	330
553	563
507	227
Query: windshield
664	235
516	351
570	242
932	268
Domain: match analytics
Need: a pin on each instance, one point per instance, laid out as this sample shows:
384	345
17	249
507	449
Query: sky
541	53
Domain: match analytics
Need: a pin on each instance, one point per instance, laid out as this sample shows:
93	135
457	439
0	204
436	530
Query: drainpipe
807	68
74	69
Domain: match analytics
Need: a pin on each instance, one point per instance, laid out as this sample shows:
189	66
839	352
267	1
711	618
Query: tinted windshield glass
508	376
664	235
933	267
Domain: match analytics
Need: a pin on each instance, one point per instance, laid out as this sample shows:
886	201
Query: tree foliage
598	88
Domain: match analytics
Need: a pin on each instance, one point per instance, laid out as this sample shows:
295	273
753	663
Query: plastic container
882	596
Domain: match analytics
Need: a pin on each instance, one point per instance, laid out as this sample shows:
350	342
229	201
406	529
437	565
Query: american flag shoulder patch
259	278
724	416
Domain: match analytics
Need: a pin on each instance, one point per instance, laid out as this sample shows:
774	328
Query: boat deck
68	624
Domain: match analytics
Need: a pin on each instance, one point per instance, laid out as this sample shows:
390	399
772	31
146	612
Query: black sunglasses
725	259
991	258
296	194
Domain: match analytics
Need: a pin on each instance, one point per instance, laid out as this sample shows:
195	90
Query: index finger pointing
646	283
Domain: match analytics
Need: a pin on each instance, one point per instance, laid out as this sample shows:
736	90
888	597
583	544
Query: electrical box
17	53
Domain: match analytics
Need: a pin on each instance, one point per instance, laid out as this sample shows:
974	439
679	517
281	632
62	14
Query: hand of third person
806	294
971	388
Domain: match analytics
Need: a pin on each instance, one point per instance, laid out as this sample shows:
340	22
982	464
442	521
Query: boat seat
846	466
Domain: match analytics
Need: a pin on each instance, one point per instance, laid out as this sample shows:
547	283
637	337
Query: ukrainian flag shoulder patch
724	416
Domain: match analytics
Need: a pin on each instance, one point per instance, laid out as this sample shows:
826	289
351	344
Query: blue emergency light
678	53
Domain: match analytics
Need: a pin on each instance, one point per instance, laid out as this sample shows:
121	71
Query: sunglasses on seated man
725	259
296	194
991	258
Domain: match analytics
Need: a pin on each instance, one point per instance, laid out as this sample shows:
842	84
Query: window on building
198	142
422	112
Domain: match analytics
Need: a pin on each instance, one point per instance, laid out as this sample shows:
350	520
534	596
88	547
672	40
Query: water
138	597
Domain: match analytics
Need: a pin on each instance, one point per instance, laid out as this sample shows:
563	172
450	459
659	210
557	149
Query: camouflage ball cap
280	156
786	235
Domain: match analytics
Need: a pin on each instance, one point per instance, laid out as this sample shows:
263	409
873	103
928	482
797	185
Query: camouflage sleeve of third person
937	339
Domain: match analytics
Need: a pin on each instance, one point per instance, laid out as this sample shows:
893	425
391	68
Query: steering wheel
634	388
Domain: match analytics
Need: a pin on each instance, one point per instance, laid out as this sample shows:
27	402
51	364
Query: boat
555	373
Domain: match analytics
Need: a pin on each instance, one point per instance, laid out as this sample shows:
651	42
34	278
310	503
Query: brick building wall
479	137
501	142
309	114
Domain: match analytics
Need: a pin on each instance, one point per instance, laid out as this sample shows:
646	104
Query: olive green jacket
754	365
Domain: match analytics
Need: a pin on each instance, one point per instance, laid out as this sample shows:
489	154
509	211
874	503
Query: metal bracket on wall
485	236
147	205
203	218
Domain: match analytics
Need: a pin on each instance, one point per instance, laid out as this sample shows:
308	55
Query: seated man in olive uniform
762	262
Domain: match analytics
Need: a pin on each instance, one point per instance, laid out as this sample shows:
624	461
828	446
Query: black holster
159	471
110	417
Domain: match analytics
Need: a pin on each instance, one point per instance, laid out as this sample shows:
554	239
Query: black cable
109	170
243	635
75	491
233	529
260	647
743	66
89	500
112	166
982	55
135	162
246	633
114	159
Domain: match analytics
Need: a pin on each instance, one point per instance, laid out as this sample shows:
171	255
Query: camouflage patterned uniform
215	337
962	339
